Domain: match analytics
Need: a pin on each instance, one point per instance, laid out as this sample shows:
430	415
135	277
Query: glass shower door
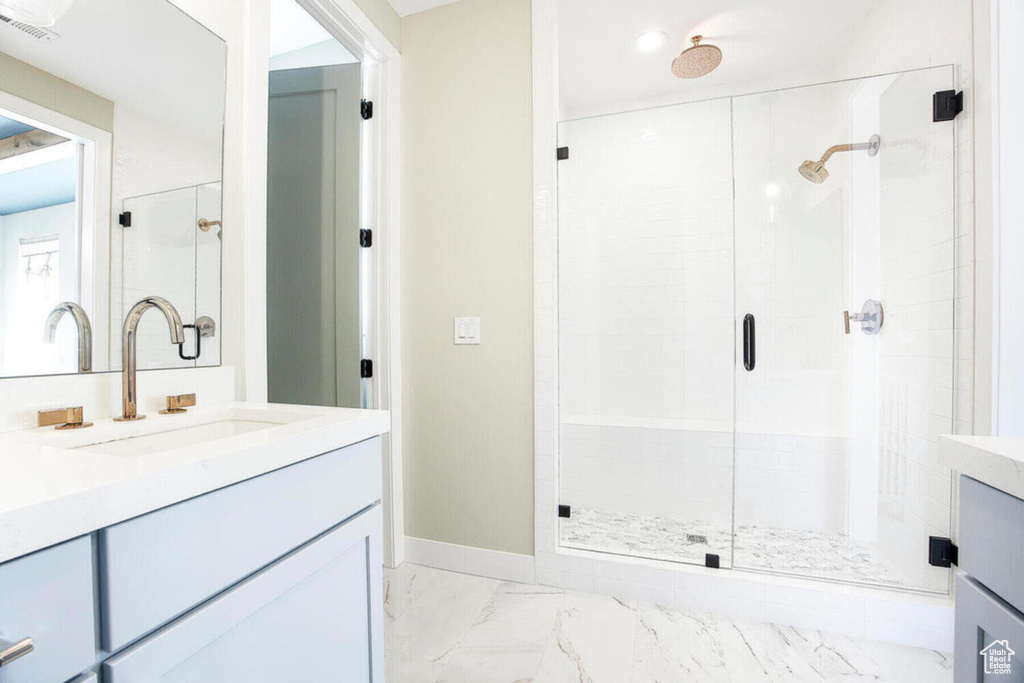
850	279
158	258
646	348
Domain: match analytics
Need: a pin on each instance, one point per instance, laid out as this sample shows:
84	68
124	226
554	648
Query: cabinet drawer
314	615
48	596
992	539
157	566
982	619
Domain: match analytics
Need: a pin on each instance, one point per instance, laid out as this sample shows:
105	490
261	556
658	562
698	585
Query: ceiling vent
39	33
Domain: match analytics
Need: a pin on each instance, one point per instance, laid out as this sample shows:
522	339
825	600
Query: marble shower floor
806	553
441	626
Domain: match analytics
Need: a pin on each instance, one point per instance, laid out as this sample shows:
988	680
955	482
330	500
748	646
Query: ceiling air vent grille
36	32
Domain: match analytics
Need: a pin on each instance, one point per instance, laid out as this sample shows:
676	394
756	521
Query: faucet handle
178	404
64	418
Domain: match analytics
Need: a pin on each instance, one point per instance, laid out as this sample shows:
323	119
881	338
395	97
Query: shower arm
849	147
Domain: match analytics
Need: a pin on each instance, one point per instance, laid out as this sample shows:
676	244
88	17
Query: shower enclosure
756	357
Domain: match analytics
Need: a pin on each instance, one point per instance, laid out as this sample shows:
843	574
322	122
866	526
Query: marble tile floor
805	553
441	626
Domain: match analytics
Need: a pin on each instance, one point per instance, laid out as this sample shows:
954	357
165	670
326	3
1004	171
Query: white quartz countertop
57	485
994	460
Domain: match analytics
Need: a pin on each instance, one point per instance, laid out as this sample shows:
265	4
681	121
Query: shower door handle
749	342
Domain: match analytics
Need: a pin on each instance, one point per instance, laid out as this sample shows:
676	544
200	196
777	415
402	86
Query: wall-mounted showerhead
816	172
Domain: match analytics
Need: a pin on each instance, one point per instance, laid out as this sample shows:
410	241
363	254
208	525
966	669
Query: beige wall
35	85
385	18
467	251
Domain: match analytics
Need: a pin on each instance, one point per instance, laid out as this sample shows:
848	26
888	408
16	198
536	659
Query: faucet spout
84	331
129	343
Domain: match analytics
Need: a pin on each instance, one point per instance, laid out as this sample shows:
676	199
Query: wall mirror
111	146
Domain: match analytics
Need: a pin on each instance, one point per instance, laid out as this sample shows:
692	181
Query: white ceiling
407	7
146	55
300	39
765	45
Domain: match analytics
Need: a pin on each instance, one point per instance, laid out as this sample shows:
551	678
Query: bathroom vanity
989	621
233	542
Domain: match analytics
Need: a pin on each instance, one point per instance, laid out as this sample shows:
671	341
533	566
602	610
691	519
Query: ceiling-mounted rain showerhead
816	172
696	61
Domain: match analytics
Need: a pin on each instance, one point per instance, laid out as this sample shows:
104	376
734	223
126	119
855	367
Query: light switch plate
467	330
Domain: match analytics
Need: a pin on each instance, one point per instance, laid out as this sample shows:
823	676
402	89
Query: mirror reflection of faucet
84	331
129	390
870	317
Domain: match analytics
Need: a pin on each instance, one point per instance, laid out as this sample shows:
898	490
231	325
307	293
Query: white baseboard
465	559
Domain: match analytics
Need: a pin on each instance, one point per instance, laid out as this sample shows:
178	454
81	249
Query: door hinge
712	561
942	552
366	238
125	219
366	368
946	104
366	109
564	511
563	153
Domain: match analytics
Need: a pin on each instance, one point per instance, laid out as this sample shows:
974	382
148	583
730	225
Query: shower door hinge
125	219
942	552
946	104
712	561
366	368
563	153
564	511
366	238
366	109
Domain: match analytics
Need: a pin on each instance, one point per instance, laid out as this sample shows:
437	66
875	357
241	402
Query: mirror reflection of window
39	177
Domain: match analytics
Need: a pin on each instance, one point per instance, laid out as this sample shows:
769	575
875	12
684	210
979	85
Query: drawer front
48	596
992	539
983	621
157	566
315	615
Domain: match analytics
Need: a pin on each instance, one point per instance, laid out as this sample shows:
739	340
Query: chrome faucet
84	331
129	396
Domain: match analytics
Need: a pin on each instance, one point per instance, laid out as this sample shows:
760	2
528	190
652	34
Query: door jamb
379	211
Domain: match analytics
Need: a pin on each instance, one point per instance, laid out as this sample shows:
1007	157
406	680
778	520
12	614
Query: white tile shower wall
158	262
782	481
685	475
645	265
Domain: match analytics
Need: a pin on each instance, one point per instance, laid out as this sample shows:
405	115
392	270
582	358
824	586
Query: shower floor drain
696	538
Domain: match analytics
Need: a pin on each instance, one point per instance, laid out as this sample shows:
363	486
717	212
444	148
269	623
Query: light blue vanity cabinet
990	591
276	578
154	567
48	597
314	615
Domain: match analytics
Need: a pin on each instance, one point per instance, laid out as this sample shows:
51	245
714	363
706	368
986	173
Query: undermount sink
161	433
144	444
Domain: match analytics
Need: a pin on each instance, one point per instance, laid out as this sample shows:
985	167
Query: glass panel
646	349
208	272
159	258
836	469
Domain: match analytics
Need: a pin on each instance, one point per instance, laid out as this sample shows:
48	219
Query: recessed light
651	41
